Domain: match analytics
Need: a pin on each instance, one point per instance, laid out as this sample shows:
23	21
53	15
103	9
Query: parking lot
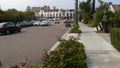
30	43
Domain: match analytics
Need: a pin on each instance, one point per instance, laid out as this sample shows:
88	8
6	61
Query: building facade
55	13
114	8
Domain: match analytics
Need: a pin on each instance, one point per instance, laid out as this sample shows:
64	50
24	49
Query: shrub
115	38
69	54
75	29
98	15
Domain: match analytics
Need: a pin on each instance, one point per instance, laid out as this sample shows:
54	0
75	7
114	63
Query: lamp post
76	11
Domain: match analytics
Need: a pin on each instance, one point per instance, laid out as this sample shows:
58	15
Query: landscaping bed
75	29
69	54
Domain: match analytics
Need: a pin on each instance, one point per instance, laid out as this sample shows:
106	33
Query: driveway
30	43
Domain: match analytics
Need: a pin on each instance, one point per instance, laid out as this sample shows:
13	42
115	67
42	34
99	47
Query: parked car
8	27
67	23
22	24
36	23
30	23
56	21
45	23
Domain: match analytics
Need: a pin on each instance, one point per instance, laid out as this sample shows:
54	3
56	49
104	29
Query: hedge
115	37
69	54
75	29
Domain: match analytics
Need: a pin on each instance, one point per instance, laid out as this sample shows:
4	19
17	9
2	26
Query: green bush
75	29
69	54
115	38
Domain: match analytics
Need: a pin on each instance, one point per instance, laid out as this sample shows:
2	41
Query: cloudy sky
22	4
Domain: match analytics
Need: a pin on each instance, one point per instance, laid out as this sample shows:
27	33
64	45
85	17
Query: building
36	11
54	13
113	8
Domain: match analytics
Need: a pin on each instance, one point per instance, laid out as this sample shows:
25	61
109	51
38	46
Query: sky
21	5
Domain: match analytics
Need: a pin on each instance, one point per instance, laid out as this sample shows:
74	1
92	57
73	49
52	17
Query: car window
10	24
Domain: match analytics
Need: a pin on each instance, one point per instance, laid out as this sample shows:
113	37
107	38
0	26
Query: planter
72	35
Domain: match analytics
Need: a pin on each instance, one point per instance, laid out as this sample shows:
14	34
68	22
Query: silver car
36	23
45	23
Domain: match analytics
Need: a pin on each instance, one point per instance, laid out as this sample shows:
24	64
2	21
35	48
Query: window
67	14
56	15
53	15
60	15
10	24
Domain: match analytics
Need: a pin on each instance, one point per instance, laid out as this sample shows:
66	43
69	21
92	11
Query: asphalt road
30	43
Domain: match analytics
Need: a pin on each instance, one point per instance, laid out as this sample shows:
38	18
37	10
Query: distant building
54	13
114	8
36	11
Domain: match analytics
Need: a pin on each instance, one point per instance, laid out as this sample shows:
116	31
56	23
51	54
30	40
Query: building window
53	15
56	15
47	15
59	15
71	15
63	14
50	15
67	14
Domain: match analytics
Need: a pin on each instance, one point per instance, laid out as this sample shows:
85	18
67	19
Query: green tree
28	15
54	8
85	11
115	19
12	15
28	8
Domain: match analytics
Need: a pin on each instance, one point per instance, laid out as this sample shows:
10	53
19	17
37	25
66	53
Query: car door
11	27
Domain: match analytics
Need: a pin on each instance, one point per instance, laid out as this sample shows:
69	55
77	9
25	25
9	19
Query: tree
28	15
101	2
85	11
93	5
114	18
85	6
54	8
28	8
12	15
45	7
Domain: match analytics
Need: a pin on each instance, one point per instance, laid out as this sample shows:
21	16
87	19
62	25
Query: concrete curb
57	43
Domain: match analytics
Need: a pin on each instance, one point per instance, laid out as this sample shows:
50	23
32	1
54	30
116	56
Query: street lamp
76	11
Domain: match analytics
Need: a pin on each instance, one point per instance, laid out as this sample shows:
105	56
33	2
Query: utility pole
76	11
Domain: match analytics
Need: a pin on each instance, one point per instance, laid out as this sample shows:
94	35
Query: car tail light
1	27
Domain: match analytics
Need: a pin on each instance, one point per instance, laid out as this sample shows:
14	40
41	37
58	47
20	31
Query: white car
45	23
36	23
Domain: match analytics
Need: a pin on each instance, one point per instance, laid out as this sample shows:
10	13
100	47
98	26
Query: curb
57	43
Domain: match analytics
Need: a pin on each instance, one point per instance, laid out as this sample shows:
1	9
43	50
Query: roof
116	7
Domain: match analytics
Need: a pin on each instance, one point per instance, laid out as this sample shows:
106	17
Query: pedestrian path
100	54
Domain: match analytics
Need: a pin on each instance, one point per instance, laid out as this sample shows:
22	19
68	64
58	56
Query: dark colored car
8	27
67	23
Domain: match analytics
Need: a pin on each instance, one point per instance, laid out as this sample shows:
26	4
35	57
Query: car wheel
7	32
19	30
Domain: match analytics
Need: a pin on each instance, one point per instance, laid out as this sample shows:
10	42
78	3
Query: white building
55	13
113	8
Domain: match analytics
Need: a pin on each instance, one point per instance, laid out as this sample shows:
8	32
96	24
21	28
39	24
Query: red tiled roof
116	7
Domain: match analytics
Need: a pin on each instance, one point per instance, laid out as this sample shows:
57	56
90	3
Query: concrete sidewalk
100	54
